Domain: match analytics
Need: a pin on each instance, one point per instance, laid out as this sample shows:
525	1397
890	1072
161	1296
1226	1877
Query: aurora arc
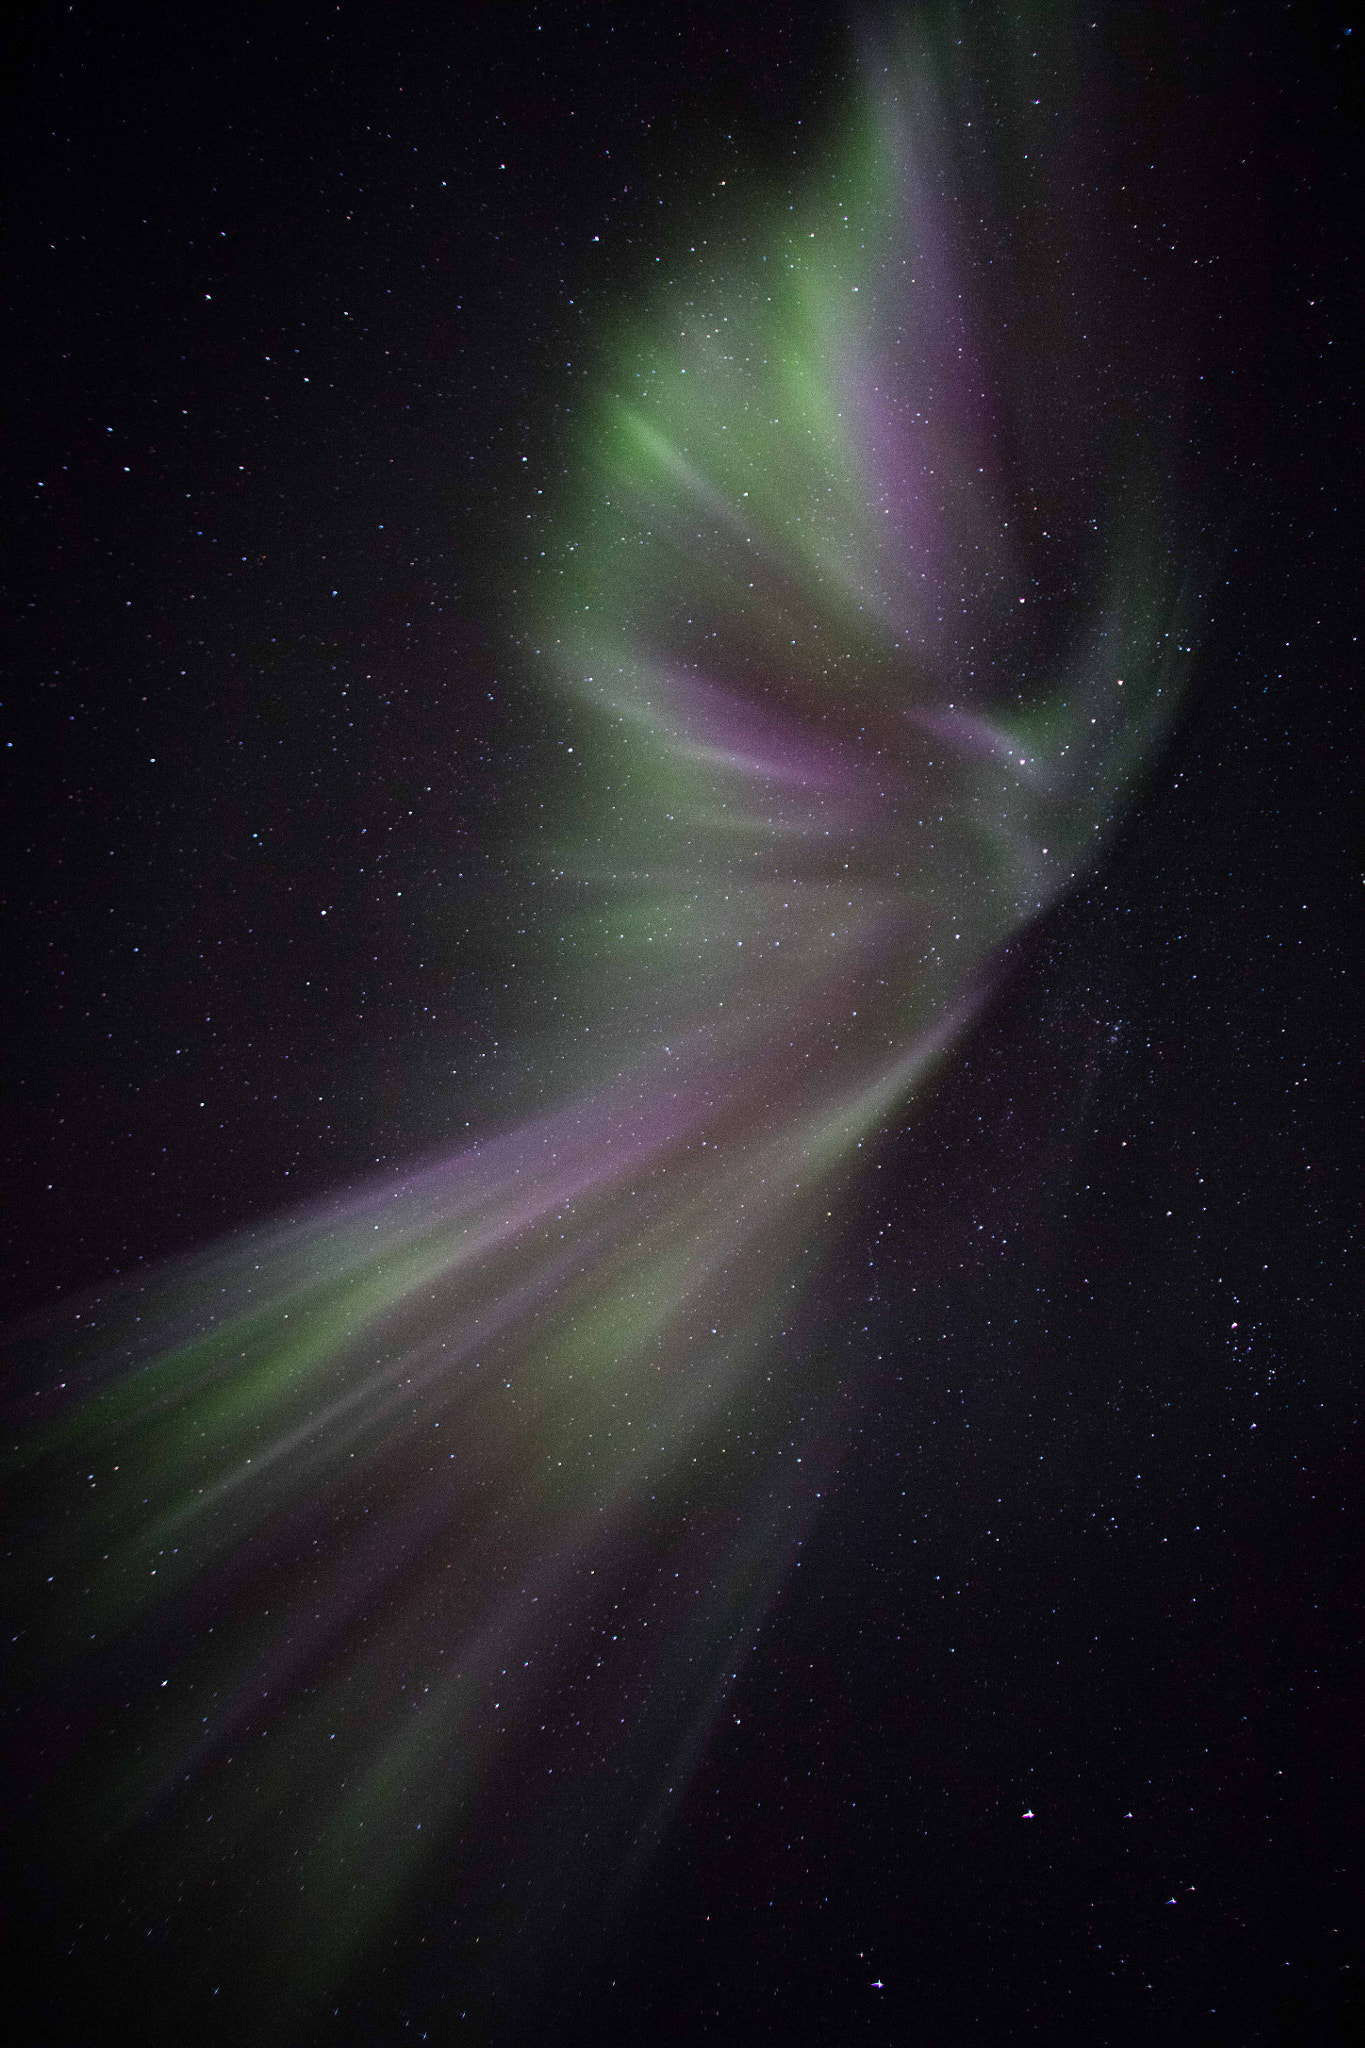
464	1496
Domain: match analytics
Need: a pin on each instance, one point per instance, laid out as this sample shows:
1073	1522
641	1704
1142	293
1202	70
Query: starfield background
1038	1716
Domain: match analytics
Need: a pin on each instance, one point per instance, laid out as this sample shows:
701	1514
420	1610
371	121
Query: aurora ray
428	1529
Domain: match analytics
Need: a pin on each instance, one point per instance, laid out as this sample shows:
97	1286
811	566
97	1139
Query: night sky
679	787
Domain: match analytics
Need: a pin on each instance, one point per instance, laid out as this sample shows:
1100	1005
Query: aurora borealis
420	1534
836	765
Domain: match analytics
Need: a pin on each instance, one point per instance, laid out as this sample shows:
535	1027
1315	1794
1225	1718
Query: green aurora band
423	1534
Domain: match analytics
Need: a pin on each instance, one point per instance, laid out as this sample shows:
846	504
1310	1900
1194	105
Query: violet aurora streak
422	1534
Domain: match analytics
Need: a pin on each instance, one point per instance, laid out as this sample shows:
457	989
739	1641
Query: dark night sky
290	298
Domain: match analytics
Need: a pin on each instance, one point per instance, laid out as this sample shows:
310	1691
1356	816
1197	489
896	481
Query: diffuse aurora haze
420	1536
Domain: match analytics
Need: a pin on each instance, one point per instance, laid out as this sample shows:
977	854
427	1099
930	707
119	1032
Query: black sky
289	300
